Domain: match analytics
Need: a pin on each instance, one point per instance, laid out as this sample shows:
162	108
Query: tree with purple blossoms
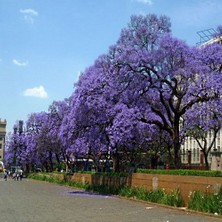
37	126
149	71
148	83
85	125
15	146
57	111
203	123
163	76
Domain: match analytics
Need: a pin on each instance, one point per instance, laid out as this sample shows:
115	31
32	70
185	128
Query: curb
184	209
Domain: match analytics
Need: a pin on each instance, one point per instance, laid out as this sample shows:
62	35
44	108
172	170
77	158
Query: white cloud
148	2
29	14
29	11
36	92
20	63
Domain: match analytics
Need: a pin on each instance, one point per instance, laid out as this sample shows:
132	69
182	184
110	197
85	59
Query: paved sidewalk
32	201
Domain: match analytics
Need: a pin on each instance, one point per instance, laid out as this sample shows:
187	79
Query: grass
156	196
205	202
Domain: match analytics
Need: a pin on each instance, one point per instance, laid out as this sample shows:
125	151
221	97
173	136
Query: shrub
156	196
127	191
173	199
211	203
207	173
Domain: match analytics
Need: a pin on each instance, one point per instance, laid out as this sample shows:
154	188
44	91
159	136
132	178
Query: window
218	140
184	155
194	155
198	154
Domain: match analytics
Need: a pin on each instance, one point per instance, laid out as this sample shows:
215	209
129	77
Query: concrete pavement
32	201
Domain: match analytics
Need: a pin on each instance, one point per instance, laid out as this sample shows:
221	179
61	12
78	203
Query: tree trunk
177	157
116	163
59	163
206	159
27	169
176	145
50	162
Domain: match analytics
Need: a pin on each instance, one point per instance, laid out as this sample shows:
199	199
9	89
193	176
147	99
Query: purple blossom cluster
142	96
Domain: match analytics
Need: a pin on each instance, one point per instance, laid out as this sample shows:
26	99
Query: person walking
5	175
21	174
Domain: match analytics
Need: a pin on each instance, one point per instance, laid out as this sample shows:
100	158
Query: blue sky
45	44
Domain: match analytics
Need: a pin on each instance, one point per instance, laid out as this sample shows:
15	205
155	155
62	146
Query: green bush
127	191
141	193
156	196
206	173
211	203
173	199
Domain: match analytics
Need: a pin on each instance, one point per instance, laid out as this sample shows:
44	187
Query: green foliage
211	203
156	196
173	199
127	191
206	173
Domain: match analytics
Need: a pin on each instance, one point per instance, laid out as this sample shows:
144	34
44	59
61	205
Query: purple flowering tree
42	144
146	83
162	76
85	125
57	111
203	123
15	146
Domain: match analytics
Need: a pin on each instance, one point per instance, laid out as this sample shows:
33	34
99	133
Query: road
36	201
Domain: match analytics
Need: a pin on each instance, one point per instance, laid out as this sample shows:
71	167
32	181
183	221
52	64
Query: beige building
191	147
190	150
2	137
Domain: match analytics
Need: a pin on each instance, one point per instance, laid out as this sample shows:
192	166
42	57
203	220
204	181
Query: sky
45	44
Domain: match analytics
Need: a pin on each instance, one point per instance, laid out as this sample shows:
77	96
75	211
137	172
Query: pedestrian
21	174
5	175
14	176
9	174
17	176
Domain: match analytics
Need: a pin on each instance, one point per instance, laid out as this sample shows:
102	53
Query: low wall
82	178
101	179
186	184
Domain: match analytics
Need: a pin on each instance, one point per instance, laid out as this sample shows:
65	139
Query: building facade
2	137
190	151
